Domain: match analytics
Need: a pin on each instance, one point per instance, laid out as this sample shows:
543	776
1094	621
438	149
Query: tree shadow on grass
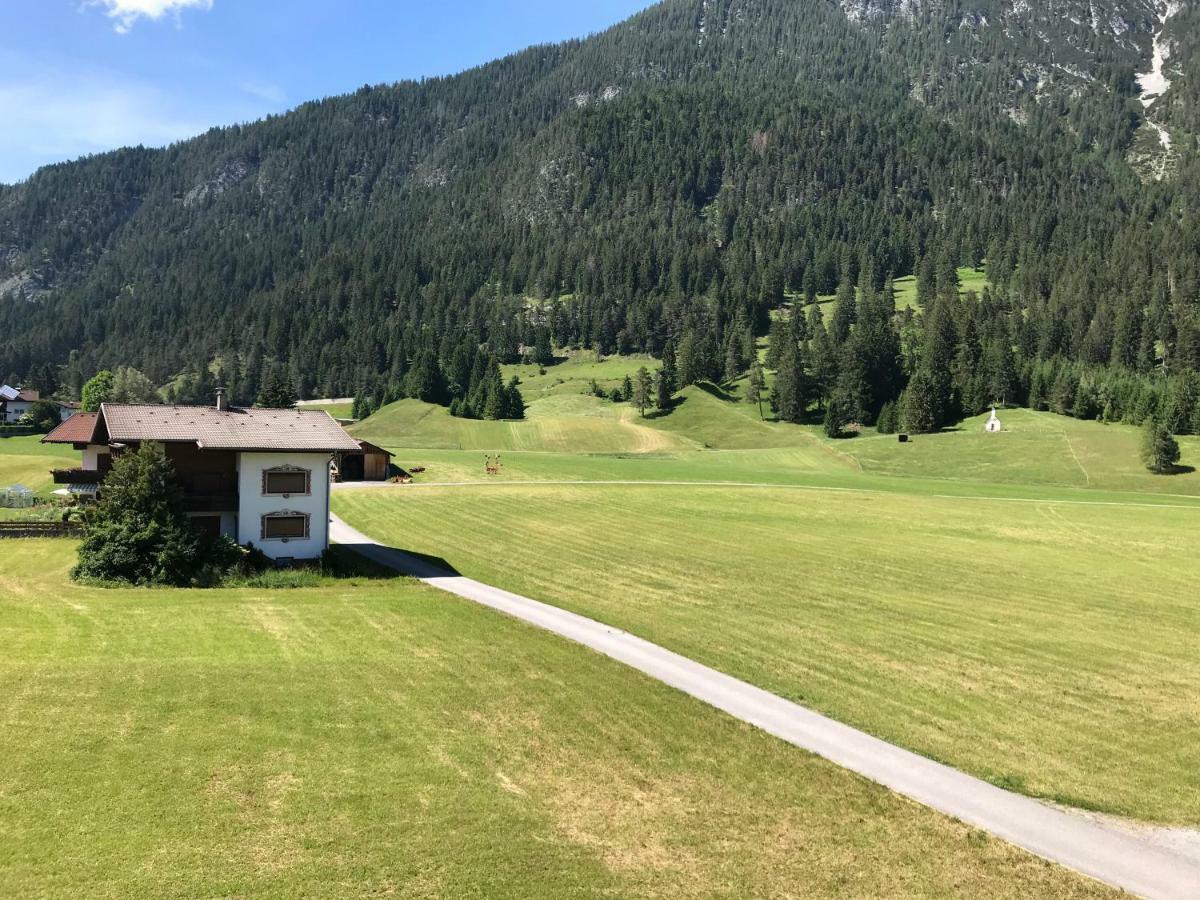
663	413
1179	470
716	390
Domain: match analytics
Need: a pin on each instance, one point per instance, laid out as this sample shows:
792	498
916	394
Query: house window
286	481
285	526
207	525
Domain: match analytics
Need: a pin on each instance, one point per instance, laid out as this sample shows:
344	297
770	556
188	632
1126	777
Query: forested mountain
667	182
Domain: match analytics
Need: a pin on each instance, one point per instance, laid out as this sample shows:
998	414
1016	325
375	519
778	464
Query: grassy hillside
563	415
324	742
565	424
1035	448
1044	645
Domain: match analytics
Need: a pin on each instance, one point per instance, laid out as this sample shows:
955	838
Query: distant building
993	425
260	476
370	463
16	402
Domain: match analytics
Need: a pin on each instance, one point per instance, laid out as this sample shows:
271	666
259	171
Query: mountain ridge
658	172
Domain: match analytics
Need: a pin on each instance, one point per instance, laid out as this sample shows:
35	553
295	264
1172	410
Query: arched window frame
286	514
287	470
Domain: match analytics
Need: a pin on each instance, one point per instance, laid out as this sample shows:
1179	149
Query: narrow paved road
1101	851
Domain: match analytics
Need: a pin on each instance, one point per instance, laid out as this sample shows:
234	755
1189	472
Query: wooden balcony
77	476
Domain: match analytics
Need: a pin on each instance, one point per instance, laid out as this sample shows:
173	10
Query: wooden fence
39	529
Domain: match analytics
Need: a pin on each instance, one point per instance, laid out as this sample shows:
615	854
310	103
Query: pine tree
643	385
837	416
276	391
824	357
846	313
662	391
889	419
669	377
494	405
515	400
919	412
687	360
425	380
792	386
1160	450
755	387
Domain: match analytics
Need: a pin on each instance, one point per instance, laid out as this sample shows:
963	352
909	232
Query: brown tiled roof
230	429
75	430
368	447
29	396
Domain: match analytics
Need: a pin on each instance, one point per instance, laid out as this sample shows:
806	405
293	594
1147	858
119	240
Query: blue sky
83	76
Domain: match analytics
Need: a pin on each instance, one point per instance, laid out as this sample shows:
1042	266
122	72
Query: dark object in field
904	438
417	470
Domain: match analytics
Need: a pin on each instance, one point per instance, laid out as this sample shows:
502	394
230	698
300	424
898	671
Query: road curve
1094	848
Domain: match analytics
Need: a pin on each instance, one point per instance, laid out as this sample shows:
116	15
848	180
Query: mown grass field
24	460
337	410
1045	642
1035	449
367	738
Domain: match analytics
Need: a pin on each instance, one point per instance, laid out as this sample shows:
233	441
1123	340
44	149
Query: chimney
221	404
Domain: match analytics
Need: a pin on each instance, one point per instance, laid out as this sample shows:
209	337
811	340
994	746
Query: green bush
138	533
43	416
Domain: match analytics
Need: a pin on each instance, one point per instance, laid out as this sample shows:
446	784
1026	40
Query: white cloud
265	90
49	117
127	12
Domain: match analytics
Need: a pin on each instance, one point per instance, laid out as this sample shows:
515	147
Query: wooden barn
370	463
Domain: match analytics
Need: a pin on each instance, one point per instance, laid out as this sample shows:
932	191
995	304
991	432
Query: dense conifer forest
684	183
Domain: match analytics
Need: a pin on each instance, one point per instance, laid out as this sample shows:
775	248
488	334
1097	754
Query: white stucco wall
16	409
253	505
91	456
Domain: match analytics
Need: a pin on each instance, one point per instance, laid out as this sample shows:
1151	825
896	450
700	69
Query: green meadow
906	289
1021	606
376	737
1045	646
27	461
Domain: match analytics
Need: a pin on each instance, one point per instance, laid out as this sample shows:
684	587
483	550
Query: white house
15	403
260	476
